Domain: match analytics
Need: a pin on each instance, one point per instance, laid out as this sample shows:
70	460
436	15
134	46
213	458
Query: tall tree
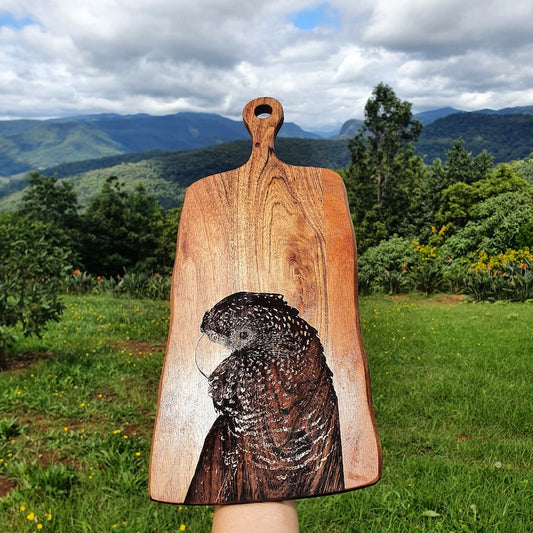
54	203
383	167
121	230
458	165
461	167
49	200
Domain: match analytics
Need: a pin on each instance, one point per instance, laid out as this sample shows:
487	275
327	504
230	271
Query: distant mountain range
180	148
38	144
506	133
350	127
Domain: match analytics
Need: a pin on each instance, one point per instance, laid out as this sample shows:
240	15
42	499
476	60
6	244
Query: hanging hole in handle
263	111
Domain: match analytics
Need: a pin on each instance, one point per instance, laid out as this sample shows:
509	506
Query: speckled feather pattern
277	435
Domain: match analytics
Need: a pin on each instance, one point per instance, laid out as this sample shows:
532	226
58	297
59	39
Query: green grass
452	392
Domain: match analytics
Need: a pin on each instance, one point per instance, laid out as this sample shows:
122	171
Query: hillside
38	144
166	174
506	137
507	134
349	129
427	117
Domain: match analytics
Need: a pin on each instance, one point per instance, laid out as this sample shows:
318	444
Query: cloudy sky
320	59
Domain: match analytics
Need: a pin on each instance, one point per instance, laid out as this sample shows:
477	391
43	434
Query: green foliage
54	203
166	174
524	168
428	278
46	143
370	230
56	481
507	275
491	213
167	229
478	183
383	167
142	285
133	285
398	265
458	166
50	200
120	230
155	173
9	428
457	200
31	268
383	267
506	137
427	272
495	225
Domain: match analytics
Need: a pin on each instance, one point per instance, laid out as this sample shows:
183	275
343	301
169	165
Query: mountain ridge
89	143
38	144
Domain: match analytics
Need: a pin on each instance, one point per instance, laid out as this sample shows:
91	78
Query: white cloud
165	56
437	28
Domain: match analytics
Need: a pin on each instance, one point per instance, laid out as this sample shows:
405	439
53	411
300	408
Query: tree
458	165
383	167
55	203
121	230
482	166
461	167
31	269
524	168
495	224
459	200
50	200
168	231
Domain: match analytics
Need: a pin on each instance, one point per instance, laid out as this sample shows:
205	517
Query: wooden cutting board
264	393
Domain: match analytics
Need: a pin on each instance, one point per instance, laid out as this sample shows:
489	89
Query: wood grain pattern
266	227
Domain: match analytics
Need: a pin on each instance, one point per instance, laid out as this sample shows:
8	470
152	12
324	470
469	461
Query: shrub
428	277
497	222
31	269
79	283
427	272
393	282
385	267
504	276
132	284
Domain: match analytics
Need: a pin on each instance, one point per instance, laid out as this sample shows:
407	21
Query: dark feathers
277	435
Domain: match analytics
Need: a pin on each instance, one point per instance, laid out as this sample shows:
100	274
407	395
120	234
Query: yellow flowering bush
498	263
505	276
426	252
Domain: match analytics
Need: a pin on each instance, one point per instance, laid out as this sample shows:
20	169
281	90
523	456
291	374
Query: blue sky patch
8	20
323	14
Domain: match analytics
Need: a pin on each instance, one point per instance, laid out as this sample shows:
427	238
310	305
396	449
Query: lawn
452	391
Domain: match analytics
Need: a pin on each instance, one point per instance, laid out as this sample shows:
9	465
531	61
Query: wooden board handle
263	117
